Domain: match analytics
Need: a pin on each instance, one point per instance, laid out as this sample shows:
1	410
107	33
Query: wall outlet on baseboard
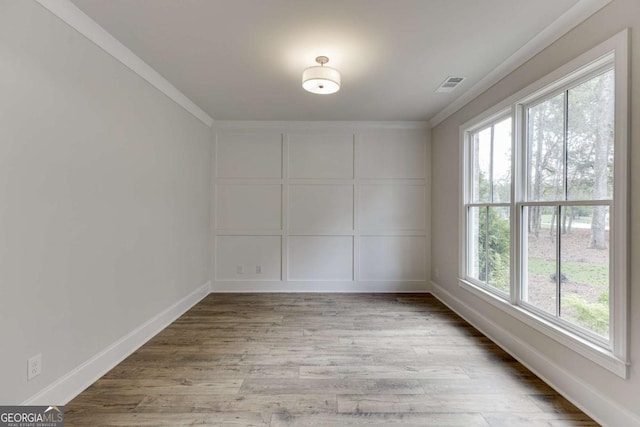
437	272
258	269
240	269
34	366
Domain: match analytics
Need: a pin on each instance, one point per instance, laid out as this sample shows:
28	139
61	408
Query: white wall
321	206
104	199
612	400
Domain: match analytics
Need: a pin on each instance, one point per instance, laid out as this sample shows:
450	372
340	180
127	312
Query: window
544	209
488	210
565	217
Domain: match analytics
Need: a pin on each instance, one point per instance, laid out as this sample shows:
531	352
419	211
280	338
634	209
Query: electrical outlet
437	272
239	269
258	269
34	366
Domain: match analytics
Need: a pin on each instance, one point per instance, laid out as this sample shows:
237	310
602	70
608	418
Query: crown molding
78	20
293	125
558	28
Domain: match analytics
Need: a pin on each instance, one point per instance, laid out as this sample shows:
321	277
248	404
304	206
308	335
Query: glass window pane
584	263
590	139
502	161
539	284
481	162
499	249
545	135
476	243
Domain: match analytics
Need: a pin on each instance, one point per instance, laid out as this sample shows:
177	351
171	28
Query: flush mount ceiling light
320	79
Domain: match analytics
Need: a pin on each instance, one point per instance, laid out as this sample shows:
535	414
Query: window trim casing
616	357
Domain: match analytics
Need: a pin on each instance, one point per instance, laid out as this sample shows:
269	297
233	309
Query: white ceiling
243	59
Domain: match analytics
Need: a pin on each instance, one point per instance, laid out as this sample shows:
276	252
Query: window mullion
519	182
565	197
565	146
558	254
491	164
486	246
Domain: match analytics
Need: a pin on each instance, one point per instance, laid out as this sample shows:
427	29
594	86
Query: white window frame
469	203
611	354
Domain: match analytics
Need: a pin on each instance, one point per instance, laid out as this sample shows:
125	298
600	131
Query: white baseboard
74	382
320	286
595	404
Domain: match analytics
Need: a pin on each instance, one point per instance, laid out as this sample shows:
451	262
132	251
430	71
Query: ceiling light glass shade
321	80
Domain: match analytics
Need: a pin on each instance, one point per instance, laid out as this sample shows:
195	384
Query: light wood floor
321	359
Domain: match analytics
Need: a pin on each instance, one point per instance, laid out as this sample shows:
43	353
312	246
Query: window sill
602	356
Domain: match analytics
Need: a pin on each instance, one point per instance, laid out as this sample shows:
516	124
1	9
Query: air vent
449	84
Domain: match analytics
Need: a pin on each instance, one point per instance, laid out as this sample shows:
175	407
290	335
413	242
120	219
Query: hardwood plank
209	373
214	333
246	419
312	403
428	341
392	332
382	372
554	403
539	420
486	385
338	386
335	357
92	402
193	359
167	386
231	348
435	403
407	420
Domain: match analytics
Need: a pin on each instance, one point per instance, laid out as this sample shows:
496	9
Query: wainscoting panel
320	258
392	207
248	257
392	258
393	154
249	155
321	207
249	207
321	155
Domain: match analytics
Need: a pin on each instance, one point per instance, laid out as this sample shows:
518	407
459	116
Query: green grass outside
545	221
579	272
